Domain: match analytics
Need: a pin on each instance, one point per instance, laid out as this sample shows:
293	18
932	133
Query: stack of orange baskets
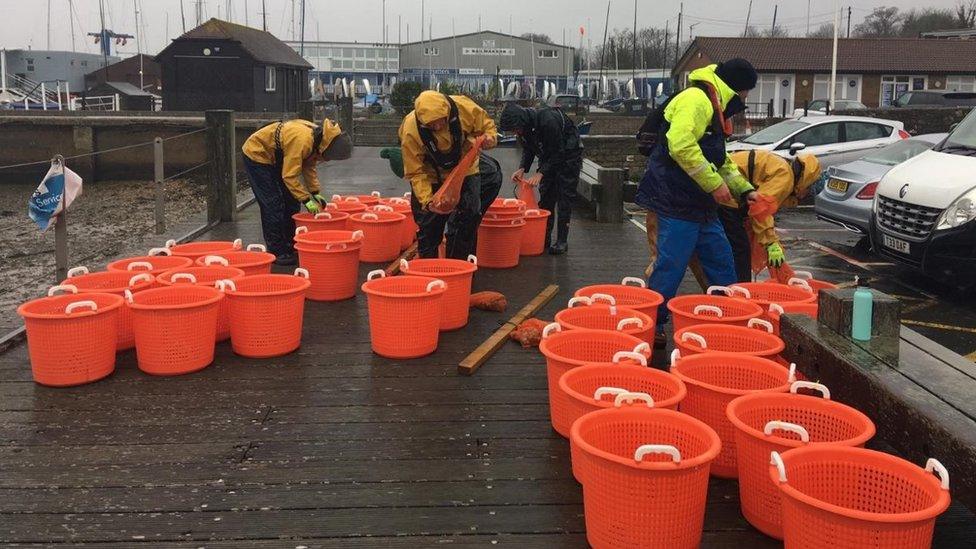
499	242
505	208
71	339
534	235
112	282
206	276
849	498
409	228
368	200
457	274
715	379
383	234
266	313
689	310
175	328
764	293
585	312
565	350
200	248
644	473
156	261
632	293
768	422
757	339
253	261
322	221
332	261
399	303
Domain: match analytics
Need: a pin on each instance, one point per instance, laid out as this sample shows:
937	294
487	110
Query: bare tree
966	14
536	37
918	21
884	21
823	31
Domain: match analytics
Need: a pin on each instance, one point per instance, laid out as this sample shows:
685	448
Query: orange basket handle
407	195
170	243
510	202
604	391
183	276
800	283
358	235
350	198
303	273
375	194
741	290
370	216
257	248
473	259
657	449
777	460
128	295
803	275
322	215
238	244
604	297
437	283
79	304
619	356
332	205
631	398
140	278
935	465
675	357
697	338
216	260
532	213
724	289
159	251
224	285
335	245
139	265
629	321
75	271
378	273
404	265
581	300
776	308
699	309
627	280
301	230
777	425
643	348
66	288
550	328
810	385
764	324
382	208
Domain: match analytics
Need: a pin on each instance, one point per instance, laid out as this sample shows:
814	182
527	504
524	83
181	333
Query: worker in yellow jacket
434	137
277	158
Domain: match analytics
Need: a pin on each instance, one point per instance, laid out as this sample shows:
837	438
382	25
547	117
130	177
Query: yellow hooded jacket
296	145
772	175
429	106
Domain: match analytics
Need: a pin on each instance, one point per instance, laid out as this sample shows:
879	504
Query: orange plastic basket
409	228
254	261
322	221
689	310
457	275
156	261
534	234
767	422
266	313
585	312
175	328
404	314
332	261
756	340
850	498
370	199
644	473
776	310
565	350
347	206
505	208
201	248
632	293
499	243
715	379
805	277
206	276
383	232
71	338
765	293
112	282
598	386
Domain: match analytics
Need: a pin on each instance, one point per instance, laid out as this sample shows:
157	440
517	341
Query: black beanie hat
514	117
738	73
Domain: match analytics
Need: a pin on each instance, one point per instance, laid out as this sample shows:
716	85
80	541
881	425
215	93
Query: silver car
849	188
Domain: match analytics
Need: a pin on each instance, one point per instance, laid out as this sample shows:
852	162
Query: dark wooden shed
222	65
131	98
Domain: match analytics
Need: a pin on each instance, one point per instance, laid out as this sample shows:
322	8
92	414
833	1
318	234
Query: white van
924	212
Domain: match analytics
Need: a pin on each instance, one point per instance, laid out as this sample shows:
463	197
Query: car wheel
864	244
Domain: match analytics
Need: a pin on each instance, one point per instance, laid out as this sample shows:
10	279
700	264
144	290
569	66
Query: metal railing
96	103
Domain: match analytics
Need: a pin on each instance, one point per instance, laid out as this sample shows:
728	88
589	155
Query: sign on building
471	71
510	72
509	52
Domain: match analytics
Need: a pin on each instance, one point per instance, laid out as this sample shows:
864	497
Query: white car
832	139
818	107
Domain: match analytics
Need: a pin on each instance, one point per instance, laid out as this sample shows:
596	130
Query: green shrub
403	96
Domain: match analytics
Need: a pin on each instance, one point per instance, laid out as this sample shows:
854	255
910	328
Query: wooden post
306	110
345	114
158	177
611	206
222	155
61	247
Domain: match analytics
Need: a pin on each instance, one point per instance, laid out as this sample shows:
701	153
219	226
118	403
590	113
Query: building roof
858	55
263	46
125	88
496	33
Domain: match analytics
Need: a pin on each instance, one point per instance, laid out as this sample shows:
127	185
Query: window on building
347	63
85	63
432	51
394	66
30	64
347	52
847	86
961	83
360	64
894	86
270	79
548	54
370	64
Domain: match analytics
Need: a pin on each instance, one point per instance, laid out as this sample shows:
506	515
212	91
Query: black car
934	98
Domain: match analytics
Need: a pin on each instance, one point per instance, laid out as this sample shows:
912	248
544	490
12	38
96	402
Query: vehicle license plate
837	185
895	244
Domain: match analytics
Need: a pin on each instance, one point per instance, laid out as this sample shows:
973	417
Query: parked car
567	102
818	107
833	139
934	98
924	214
850	188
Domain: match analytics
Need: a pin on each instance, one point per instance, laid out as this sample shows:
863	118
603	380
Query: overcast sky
24	23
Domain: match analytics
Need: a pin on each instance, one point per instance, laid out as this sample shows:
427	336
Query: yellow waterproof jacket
429	106
689	115
298	156
772	175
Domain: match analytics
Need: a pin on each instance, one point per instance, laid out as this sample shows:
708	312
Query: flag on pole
55	194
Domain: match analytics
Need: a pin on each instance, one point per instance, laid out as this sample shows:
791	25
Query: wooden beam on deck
483	352
394	268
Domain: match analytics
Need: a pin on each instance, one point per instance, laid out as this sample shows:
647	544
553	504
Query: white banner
510	72
509	52
471	71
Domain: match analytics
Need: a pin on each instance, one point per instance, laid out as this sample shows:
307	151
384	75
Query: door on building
892	87
846	86
777	88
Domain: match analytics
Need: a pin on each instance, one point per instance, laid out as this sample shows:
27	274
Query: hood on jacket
330	130
515	117
811	173
707	75
431	105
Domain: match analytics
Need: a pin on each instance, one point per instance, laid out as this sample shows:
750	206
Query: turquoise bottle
863	308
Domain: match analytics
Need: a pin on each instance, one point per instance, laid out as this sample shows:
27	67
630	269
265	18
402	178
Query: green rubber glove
313	206
776	255
320	199
395	157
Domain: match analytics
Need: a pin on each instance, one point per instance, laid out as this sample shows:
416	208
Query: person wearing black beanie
739	74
